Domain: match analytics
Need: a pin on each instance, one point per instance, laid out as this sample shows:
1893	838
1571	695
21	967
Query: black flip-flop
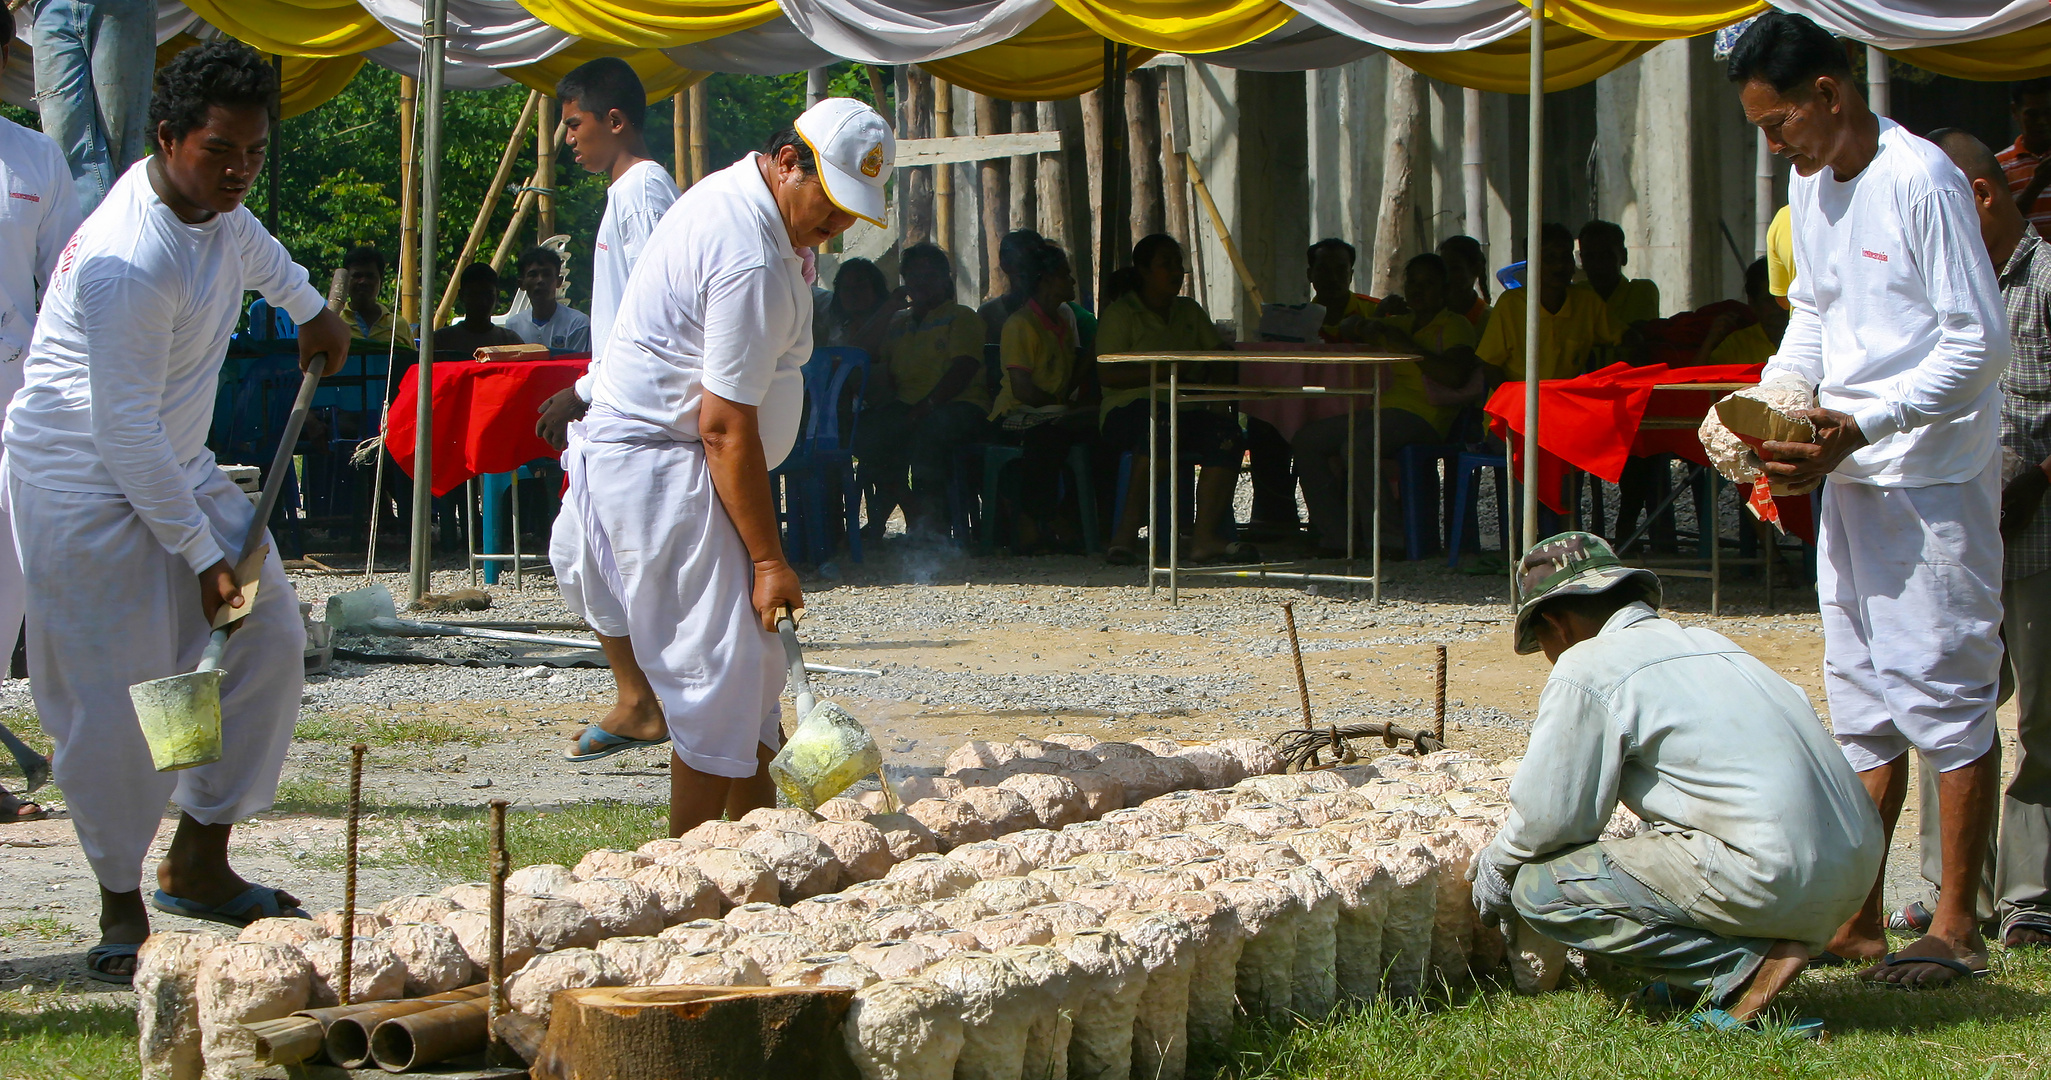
1965	972
249	905
96	959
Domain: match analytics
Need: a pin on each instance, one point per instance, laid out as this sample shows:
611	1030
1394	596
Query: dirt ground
967	648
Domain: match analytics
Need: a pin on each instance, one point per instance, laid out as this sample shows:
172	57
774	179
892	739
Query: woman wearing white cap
698	396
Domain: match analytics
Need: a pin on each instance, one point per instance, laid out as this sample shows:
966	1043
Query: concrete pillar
1249	137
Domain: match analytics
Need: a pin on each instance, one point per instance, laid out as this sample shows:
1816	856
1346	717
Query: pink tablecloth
1289	414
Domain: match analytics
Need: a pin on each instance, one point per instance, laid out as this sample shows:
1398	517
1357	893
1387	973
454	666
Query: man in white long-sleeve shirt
38	211
1897	323
126	526
604	108
1759	840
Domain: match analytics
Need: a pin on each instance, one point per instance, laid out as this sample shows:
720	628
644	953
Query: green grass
23	722
1997	1028
402	730
64	1037
456	843
40	927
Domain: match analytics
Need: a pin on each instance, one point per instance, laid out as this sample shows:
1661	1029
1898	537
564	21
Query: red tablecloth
483	415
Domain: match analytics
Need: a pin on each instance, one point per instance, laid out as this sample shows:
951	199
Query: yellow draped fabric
1572	59
651	24
660	76
1184	26
307	83
2024	54
1647	20
1056	57
326	28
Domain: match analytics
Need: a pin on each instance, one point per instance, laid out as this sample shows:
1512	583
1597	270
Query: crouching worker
127	528
699	394
1759	840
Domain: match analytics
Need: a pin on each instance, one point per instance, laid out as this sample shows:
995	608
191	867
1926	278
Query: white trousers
578	575
1909	581
13	589
109	607
656	537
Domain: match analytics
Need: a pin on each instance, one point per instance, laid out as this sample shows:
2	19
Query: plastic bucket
828	752
181	719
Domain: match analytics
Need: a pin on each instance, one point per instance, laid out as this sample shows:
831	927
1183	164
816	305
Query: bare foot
636	719
1972	953
2026	936
1857	941
1778	971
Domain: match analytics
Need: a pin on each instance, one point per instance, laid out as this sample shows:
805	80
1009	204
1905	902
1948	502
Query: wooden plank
974	147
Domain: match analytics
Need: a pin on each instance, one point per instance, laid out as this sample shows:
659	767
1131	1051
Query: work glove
1491	894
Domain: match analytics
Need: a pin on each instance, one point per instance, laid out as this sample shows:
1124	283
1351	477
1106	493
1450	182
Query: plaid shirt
2026	386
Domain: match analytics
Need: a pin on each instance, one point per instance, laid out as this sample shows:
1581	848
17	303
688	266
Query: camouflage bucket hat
1571	564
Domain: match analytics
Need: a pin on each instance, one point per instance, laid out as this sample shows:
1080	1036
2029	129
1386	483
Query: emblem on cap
872	162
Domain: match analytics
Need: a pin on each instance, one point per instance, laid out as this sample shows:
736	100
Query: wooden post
1091	228
544	171
943	175
1023	198
915	121
1052	196
993	117
1112	221
1143	150
1394	237
679	138
409	204
1174	180
489	204
700	128
876	91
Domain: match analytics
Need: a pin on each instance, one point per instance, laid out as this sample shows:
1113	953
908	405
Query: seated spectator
1013	252
1466	278
1330	265
1603	257
859	312
1419	402
1576	318
931	398
477	292
1780	255
1733	341
367	317
1036	403
559	326
1150	315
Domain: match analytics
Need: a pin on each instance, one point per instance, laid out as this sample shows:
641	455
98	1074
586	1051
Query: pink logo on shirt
602	247
24	196
1877	256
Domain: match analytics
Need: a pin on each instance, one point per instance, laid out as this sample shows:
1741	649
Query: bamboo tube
679	137
409	205
700	105
544	172
490	203
943	175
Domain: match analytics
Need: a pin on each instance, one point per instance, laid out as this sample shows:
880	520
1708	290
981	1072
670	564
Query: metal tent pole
434	45
1878	83
1534	232
1763	207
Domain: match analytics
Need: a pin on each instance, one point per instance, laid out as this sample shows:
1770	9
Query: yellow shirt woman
1569	334
1129	326
1041	346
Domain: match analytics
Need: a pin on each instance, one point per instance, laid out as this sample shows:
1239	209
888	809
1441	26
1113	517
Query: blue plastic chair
267	323
1512	276
997	456
821	455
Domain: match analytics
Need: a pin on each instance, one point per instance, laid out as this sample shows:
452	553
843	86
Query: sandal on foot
2037	921
1807	1027
14	811
99	957
595	743
1961	971
251	904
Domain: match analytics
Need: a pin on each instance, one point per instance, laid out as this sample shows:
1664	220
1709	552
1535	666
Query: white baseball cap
856	151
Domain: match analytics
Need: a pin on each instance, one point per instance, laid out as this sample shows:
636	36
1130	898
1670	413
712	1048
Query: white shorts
1909	581
578	575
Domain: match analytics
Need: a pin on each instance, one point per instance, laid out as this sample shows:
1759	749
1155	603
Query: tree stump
735	1033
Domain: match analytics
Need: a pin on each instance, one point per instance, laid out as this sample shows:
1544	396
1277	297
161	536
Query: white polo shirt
634	205
718	302
567	329
127	355
1896	316
38	211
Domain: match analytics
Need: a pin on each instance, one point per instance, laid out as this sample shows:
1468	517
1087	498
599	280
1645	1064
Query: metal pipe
347	994
434	43
544	168
403	1043
815	86
347	1041
1763	202
1534	232
496	972
1879	88
1473	166
288	1040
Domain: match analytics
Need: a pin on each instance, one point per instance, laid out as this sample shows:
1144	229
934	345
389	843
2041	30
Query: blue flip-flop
251	904
1808	1027
96	960
1965	972
595	743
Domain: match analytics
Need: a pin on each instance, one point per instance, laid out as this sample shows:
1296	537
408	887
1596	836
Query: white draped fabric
772	48
1909	24
483	36
1302	45
909	31
1419	25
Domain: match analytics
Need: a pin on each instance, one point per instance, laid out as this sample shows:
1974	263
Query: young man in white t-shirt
604	108
547	321
700	394
125	524
1897	324
38	211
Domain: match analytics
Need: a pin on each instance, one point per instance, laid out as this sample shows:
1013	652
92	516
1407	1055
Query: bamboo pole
544	172
522	206
504	173
1534	229
1053	194
876	90
1142	142
943	175
679	137
993	117
1203	194
1023	198
434	45
409	204
700	105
